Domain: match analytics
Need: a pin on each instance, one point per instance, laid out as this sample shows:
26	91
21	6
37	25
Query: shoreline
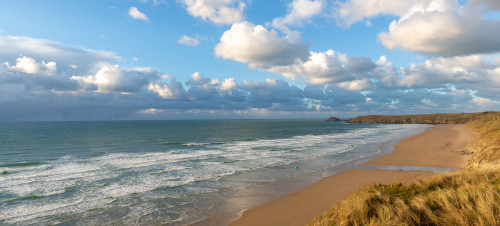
437	147
236	203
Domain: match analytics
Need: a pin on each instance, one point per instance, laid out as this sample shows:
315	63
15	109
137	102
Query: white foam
101	180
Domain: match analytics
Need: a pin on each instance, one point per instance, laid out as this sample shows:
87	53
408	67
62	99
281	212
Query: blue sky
190	59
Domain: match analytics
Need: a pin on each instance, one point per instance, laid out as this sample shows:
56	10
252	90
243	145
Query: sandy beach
437	147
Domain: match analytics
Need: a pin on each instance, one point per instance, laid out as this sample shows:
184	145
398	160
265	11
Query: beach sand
437	147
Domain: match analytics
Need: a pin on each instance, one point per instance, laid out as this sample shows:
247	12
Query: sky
246	59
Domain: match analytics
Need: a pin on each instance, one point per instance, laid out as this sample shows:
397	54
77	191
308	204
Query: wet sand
437	147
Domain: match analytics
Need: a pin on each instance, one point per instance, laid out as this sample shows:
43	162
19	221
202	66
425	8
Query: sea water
163	172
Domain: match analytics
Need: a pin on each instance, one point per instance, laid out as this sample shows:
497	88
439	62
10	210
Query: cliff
460	118
485	149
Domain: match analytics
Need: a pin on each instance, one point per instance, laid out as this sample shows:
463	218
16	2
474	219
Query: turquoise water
162	172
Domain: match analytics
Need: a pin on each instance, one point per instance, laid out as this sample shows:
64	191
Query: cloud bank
42	88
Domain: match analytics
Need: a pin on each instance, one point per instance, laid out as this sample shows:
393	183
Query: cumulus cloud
299	11
173	90
111	78
29	65
355	85
327	67
435	27
473	73
228	84
216	11
189	41
288	56
444	29
260	47
136	14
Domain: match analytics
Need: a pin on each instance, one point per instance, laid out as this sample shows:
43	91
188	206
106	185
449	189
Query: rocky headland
460	118
333	119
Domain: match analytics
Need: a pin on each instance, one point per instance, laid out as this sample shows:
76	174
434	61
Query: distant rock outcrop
460	118
333	119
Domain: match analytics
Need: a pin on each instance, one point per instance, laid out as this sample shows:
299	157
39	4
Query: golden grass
486	148
460	118
470	197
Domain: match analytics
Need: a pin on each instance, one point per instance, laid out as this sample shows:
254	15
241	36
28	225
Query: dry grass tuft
464	198
486	148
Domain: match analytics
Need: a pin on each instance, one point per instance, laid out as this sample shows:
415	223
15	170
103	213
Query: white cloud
198	80
327	67
444	28
355	85
217	11
475	72
436	27
299	11
259	47
174	90
440	71
29	65
112	79
228	84
484	102
288	56
152	111
186	40
136	14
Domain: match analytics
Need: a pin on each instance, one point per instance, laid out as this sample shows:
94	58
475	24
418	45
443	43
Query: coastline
437	147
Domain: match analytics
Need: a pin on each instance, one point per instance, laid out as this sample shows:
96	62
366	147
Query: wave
22	164
169	178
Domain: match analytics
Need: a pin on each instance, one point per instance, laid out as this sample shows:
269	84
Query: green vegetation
5	172
469	197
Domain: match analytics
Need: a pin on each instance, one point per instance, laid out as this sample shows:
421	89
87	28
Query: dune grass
469	197
485	149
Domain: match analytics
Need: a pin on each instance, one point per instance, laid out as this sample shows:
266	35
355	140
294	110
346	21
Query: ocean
167	172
